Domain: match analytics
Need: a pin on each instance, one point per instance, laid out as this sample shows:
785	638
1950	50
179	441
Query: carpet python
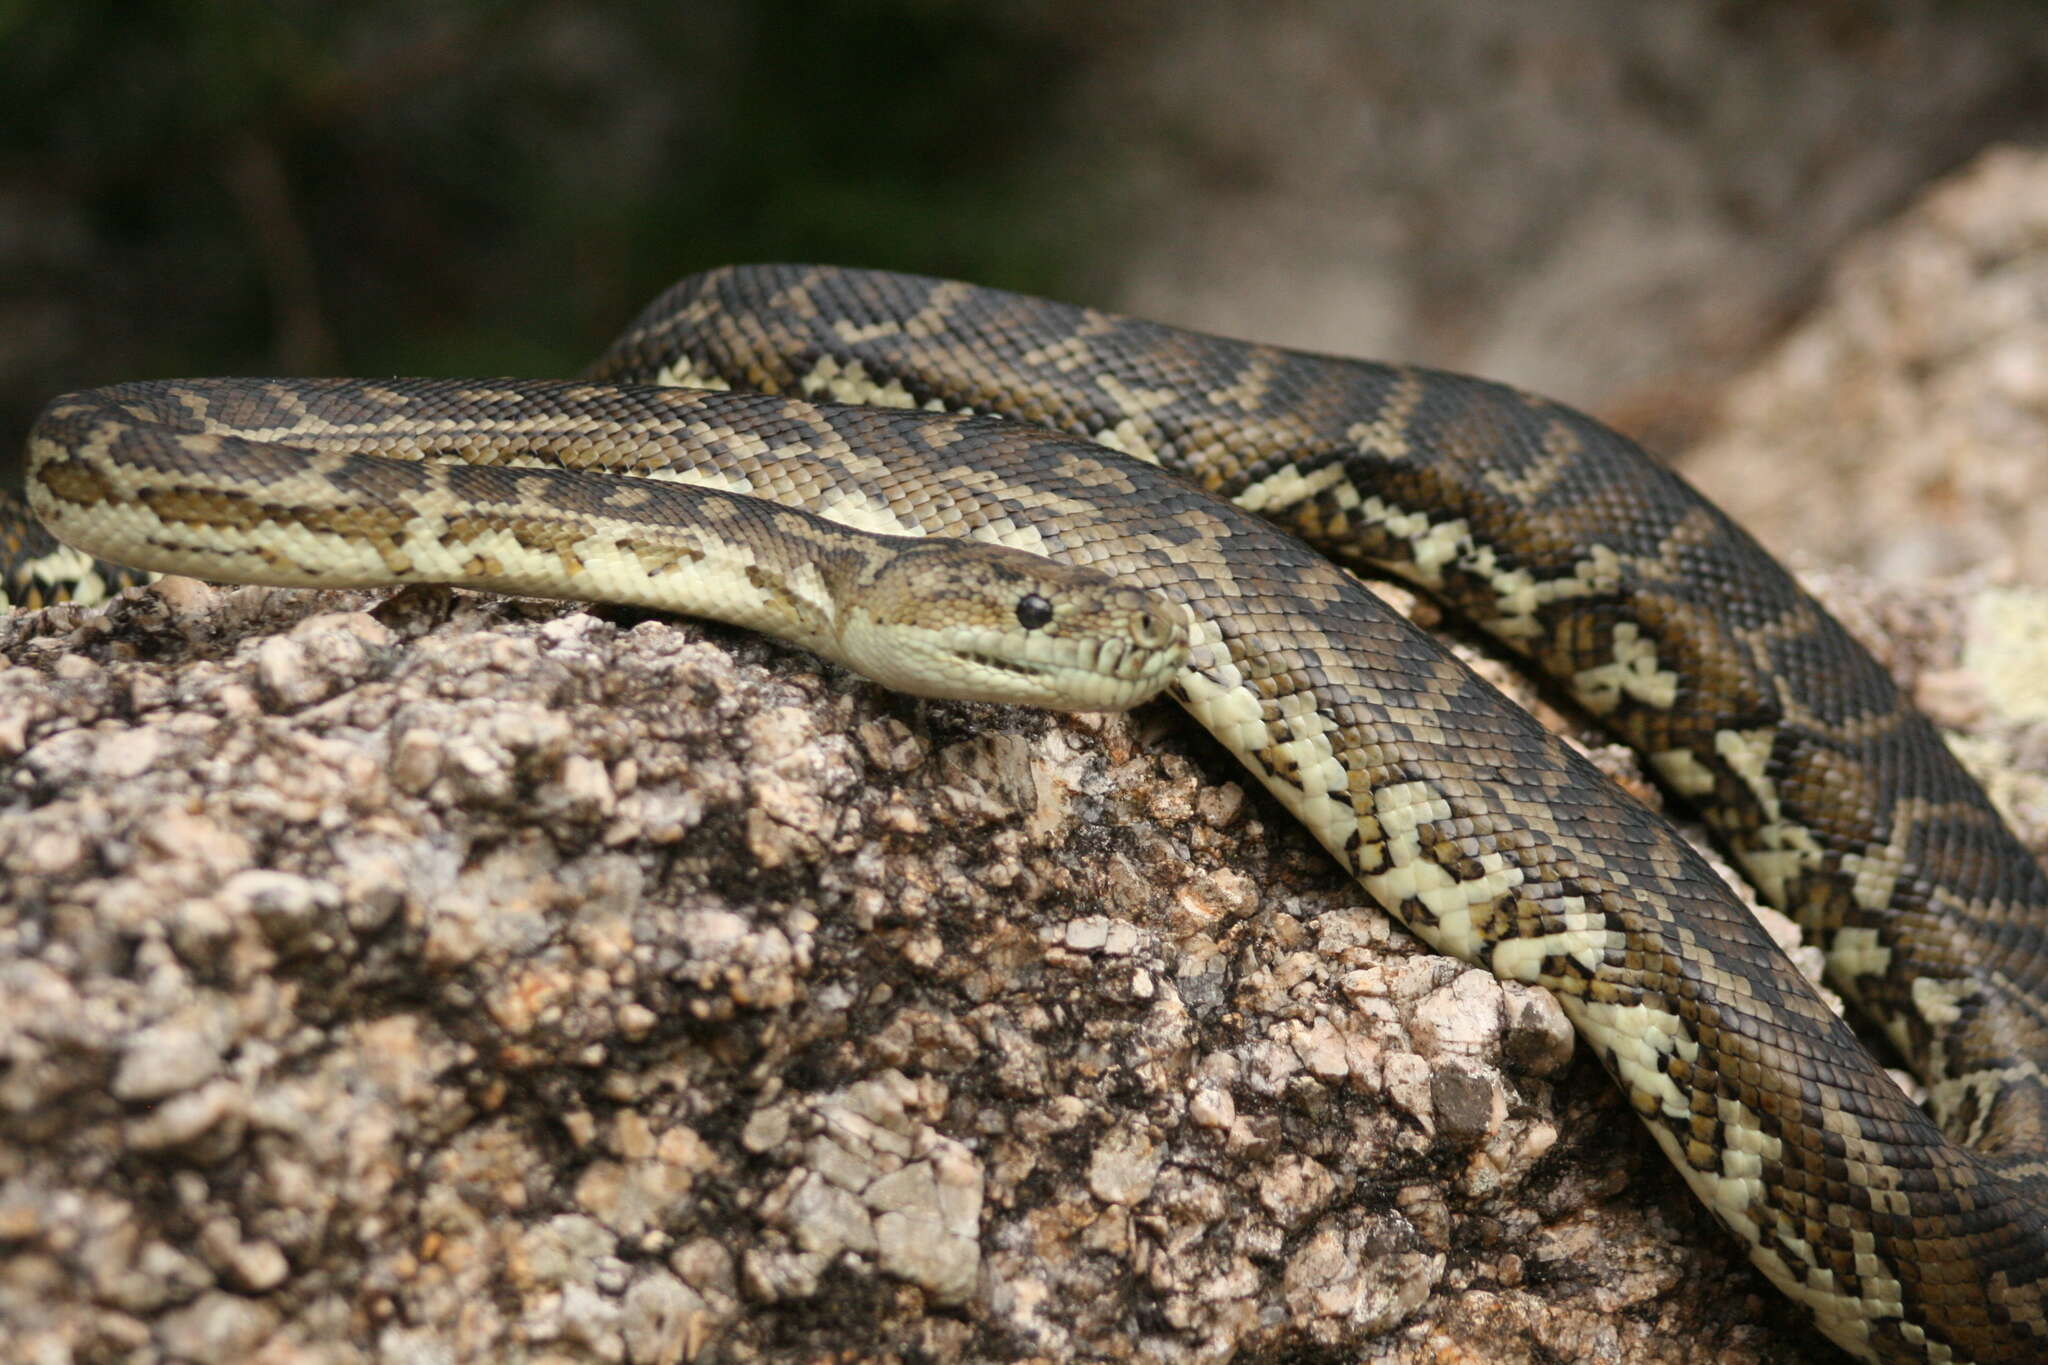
1908	1235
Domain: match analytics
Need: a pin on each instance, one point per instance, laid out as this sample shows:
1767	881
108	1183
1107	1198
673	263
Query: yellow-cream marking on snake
1485	835
73	568
1635	674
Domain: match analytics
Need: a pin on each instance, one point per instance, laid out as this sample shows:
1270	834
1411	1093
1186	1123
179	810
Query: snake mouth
1108	661
1019	667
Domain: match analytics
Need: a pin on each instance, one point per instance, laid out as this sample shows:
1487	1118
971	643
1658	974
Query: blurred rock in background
1900	427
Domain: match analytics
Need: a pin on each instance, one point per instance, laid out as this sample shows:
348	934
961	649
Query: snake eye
1033	611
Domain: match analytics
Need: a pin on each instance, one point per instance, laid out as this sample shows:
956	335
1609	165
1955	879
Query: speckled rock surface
448	978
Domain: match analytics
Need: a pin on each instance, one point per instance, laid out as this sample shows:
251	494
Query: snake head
975	622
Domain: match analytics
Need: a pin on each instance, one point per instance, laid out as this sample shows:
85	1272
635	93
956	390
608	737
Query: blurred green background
205	186
494	186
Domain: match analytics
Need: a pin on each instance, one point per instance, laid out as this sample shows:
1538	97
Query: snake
1240	491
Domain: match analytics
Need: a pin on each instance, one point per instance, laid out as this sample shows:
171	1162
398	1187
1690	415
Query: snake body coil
1491	839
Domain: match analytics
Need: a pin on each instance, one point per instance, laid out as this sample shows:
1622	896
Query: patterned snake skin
1907	1241
38	570
194	477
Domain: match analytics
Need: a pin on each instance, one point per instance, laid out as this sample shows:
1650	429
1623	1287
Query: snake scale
1908	1236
